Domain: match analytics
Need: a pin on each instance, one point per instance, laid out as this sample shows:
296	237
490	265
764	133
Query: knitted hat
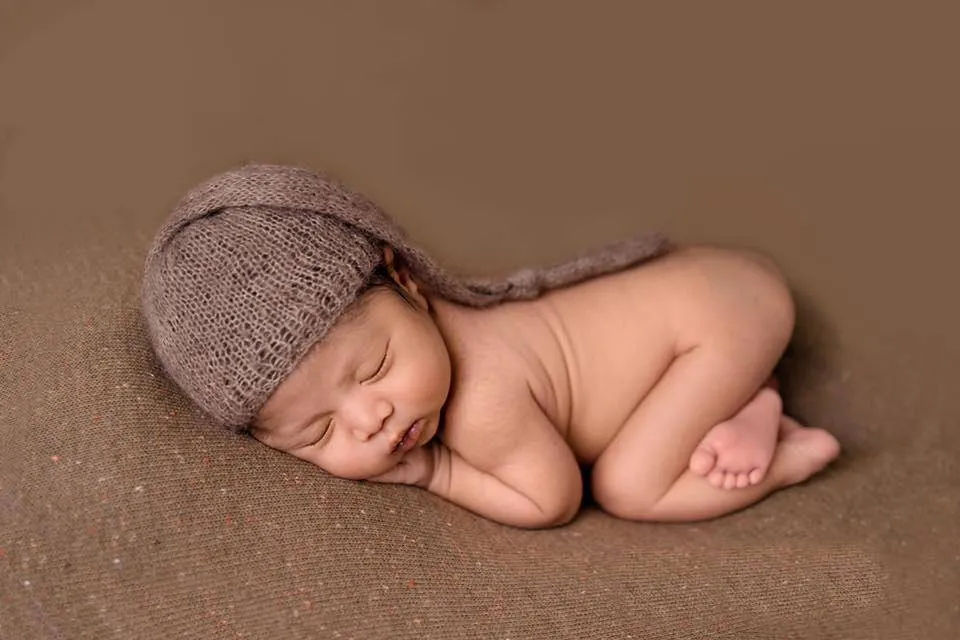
255	265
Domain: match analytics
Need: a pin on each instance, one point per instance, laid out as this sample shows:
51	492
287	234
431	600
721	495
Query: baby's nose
371	421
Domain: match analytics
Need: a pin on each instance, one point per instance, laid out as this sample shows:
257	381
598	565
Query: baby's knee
617	494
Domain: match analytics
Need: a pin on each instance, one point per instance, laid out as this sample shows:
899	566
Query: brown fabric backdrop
499	134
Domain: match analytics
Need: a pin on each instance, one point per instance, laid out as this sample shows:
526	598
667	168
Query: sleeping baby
291	308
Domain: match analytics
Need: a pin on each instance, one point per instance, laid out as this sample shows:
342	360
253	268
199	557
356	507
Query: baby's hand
415	468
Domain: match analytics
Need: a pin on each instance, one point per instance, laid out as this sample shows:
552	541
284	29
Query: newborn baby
291	308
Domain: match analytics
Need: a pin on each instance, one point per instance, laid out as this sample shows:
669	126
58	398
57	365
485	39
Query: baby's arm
525	476
505	460
504	494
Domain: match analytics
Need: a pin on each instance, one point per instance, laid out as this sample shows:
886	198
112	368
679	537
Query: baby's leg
800	452
733	316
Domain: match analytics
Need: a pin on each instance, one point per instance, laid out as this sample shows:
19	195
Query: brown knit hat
255	265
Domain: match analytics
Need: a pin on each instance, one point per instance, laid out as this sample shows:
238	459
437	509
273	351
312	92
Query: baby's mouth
410	437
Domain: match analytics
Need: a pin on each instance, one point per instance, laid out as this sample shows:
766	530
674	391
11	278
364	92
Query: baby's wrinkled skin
657	377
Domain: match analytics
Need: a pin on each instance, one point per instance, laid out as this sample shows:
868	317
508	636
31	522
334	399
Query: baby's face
368	393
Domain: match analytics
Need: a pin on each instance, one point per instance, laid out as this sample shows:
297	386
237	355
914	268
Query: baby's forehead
360	316
354	326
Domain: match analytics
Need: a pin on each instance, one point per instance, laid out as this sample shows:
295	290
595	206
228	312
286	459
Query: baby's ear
406	280
394	264
400	273
388	256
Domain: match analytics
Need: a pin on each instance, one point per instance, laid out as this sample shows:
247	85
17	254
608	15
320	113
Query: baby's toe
716	478
702	461
743	480
756	476
730	481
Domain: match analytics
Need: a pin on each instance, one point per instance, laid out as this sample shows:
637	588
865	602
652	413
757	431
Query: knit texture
254	266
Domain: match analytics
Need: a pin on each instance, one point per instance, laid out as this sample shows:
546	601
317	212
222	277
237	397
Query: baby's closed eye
325	429
381	367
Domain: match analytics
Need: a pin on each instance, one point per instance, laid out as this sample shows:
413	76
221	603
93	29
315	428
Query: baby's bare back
587	354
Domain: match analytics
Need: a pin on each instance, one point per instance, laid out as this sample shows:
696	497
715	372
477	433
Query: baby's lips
410	437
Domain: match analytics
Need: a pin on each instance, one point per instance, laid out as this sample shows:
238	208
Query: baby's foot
737	453
804	451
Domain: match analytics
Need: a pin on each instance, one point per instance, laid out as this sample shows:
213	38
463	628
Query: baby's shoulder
493	362
488	387
491	409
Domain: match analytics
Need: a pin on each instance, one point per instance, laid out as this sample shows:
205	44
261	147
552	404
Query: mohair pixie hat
255	265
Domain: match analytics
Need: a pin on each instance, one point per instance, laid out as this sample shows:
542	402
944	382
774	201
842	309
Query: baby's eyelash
383	363
323	434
